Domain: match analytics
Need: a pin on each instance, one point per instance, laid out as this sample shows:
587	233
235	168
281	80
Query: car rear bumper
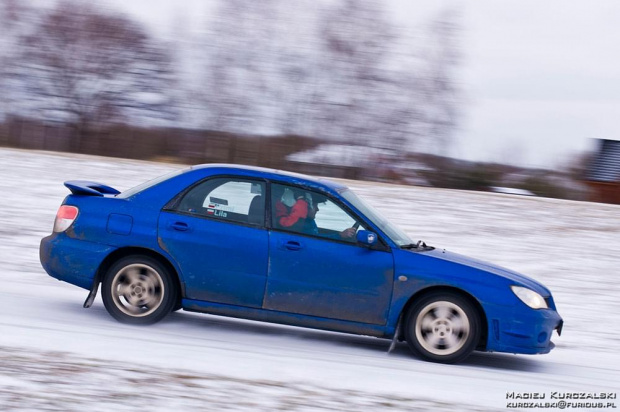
71	260
526	333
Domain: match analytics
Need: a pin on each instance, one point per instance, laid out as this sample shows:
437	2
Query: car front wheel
138	290
442	327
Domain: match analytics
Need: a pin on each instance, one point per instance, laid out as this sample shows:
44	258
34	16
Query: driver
310	226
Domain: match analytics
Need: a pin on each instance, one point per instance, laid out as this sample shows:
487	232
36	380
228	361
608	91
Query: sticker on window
212	211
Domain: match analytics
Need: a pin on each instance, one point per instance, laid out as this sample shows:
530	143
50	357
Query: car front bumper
72	260
525	331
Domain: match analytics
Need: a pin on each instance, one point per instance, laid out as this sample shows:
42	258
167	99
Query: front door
316	267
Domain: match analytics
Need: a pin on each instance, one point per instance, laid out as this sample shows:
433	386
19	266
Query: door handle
180	226
292	245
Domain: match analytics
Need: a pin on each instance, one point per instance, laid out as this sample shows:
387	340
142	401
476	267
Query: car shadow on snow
196	323
484	360
222	323
523	363
505	361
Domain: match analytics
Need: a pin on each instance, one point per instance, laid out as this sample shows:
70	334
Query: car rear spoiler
88	188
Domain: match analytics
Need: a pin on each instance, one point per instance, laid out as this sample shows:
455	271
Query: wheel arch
432	289
130	251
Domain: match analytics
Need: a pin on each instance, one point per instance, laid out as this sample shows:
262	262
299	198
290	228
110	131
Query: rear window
137	189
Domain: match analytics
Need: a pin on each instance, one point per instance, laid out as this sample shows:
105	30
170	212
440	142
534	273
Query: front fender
417	272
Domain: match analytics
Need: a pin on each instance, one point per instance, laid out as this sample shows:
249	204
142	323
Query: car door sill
285	318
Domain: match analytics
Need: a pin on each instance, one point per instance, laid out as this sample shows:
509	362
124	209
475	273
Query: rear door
218	238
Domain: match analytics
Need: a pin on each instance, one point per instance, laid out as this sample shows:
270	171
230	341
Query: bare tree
357	43
239	50
384	92
88	67
260	71
439	88
13	16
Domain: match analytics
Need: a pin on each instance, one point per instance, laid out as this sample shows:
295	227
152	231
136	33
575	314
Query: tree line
338	70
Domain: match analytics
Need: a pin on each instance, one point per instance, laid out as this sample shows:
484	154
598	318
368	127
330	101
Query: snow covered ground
54	355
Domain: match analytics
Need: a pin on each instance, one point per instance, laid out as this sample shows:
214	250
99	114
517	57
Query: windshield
393	232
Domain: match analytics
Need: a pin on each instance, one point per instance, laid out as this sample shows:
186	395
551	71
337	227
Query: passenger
284	203
296	218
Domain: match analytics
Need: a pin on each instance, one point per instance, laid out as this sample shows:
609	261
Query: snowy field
54	355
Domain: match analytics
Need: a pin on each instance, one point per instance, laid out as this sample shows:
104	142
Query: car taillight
65	217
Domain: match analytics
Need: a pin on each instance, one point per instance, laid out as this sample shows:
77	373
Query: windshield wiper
420	246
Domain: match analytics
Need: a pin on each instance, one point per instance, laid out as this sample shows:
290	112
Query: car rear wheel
442	327
138	290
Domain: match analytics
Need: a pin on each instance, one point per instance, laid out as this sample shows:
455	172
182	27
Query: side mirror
366	237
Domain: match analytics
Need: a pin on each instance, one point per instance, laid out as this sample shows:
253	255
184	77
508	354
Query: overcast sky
539	78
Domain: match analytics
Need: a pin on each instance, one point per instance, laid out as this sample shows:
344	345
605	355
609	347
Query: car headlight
529	297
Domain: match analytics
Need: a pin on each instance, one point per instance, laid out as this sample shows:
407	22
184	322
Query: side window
330	216
311	213
230	199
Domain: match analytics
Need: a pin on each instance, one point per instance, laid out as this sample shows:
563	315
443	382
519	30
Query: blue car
280	247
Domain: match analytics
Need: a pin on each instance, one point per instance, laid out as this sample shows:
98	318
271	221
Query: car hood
508	274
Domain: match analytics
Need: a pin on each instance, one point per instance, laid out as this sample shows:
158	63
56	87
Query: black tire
139	290
442	327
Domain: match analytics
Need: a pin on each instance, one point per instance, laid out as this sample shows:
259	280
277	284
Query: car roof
268	173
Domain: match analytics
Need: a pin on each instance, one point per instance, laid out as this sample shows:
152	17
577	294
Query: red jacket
299	211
